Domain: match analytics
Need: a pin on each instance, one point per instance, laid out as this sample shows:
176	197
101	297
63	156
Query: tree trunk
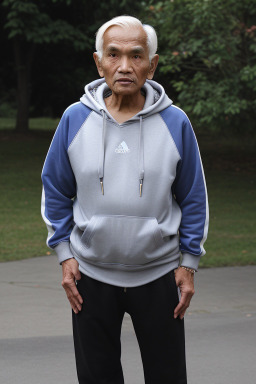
23	53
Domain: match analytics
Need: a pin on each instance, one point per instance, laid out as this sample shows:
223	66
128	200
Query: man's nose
125	65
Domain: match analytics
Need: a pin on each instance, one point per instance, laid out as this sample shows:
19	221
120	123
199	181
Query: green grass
231	239
22	231
229	164
41	123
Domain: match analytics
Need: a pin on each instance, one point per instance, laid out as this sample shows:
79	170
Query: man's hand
185	281
71	273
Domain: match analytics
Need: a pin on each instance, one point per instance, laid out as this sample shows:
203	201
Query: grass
21	227
231	179
37	124
230	166
231	239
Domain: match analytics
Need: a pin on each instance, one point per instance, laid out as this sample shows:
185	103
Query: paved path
36	345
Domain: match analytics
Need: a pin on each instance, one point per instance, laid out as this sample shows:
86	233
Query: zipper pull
141	183
125	290
101	183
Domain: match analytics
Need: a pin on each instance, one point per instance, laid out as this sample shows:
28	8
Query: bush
208	56
7	110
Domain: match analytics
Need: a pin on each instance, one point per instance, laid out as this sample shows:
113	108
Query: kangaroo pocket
127	240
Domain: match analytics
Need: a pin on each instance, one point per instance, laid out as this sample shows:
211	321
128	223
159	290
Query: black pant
97	330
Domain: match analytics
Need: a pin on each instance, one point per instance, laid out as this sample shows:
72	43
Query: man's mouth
124	81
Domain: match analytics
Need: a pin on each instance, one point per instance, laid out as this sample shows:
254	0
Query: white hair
127	21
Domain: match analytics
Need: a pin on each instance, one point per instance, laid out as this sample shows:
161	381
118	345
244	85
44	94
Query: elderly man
125	204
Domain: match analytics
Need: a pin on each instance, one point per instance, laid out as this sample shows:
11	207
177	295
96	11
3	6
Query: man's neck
122	108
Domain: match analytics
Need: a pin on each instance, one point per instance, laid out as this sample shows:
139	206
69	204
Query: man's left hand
185	281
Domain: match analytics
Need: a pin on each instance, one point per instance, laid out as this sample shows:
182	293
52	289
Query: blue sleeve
59	184
189	188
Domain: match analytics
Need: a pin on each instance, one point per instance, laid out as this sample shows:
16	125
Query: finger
69	285
77	275
182	315
77	298
186	296
74	292
180	312
179	309
74	302
183	304
74	308
182	307
73	295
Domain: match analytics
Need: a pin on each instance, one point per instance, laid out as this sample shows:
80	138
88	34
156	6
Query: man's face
125	60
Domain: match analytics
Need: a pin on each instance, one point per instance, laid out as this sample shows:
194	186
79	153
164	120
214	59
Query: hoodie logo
122	148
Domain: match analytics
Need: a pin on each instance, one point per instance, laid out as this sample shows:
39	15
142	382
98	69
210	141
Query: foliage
54	41
208	56
32	21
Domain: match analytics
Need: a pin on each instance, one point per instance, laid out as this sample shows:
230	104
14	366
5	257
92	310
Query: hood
155	101
156	98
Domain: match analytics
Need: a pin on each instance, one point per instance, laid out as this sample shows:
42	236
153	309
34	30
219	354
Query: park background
207	65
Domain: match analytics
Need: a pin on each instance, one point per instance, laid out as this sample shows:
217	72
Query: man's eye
136	56
112	55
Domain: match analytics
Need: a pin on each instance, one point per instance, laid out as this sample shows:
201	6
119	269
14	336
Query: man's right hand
71	273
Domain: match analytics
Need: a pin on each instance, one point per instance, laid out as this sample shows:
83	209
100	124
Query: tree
64	26
31	24
208	56
55	85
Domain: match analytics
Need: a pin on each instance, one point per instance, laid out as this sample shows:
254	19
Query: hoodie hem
128	277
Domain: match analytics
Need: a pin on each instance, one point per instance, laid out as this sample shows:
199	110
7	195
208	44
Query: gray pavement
36	345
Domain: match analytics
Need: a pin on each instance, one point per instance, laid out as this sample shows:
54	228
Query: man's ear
153	66
98	64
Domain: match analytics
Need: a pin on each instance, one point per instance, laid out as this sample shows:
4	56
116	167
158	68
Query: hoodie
128	201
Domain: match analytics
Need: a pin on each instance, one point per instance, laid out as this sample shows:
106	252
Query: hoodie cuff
63	251
190	261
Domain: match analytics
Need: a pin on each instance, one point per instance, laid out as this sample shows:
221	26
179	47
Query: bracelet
191	270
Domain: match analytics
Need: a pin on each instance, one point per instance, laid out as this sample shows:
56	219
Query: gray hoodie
126	200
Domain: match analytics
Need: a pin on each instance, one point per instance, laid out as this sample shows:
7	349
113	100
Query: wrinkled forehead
125	36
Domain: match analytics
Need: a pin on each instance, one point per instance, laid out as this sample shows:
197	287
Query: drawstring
102	153
141	157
